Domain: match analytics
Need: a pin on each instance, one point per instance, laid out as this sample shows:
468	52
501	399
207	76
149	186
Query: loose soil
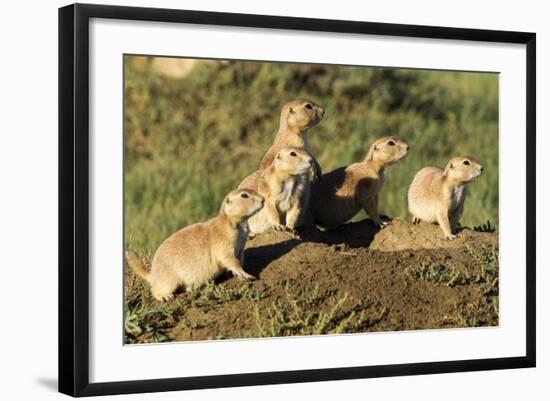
353	279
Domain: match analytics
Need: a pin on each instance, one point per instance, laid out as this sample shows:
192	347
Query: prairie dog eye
391	143
293	154
308	106
466	162
244	195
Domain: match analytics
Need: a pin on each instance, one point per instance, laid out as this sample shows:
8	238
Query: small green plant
132	320
292	316
437	274
475	315
487	260
212	296
146	325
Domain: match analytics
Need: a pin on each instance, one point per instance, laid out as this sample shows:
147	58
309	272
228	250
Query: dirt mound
353	279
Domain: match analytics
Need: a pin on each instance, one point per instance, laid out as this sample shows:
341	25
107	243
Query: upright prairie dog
437	196
196	254
285	188
297	117
343	192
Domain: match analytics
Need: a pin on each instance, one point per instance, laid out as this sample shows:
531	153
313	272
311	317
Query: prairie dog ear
449	166
291	110
228	200
370	154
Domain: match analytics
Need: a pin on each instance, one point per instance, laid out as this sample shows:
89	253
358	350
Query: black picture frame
74	198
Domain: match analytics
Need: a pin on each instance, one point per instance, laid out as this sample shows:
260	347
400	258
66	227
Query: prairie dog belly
258	223
287	197
242	236
458	196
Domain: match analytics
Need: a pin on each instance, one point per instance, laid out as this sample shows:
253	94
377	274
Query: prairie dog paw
450	237
244	276
167	298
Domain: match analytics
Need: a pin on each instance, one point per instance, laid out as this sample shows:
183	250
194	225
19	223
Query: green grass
292	315
484	271
147	323
319	312
190	141
212	296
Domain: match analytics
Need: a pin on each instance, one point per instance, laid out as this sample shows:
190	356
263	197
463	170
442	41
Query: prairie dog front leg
273	216
234	266
455	217
443	221
371	207
292	216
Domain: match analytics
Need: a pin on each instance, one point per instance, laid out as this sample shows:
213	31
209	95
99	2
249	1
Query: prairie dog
343	192
437	196
285	187
196	254
297	117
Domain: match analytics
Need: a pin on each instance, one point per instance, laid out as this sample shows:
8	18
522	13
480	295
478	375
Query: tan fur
437	196
285	187
342	193
198	253
297	117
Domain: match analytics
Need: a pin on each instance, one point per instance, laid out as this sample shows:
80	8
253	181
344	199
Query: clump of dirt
353	279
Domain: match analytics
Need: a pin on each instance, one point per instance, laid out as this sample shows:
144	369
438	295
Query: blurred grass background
193	132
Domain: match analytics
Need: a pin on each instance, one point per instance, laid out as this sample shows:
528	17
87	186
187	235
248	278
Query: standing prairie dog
196	254
343	192
285	187
437	196
297	117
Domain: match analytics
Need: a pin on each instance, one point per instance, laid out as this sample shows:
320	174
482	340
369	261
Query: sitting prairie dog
437	196
343	192
297	117
285	187
196	254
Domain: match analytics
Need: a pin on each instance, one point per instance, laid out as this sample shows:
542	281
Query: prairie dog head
463	169
388	150
293	161
241	204
301	114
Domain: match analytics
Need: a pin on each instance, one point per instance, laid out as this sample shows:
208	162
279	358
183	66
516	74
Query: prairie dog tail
137	266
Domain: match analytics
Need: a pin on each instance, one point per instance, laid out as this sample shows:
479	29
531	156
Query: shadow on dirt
258	258
354	235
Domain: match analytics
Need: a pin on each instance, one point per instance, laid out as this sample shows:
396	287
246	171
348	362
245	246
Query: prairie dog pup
297	117
343	192
285	187
437	196
198	253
